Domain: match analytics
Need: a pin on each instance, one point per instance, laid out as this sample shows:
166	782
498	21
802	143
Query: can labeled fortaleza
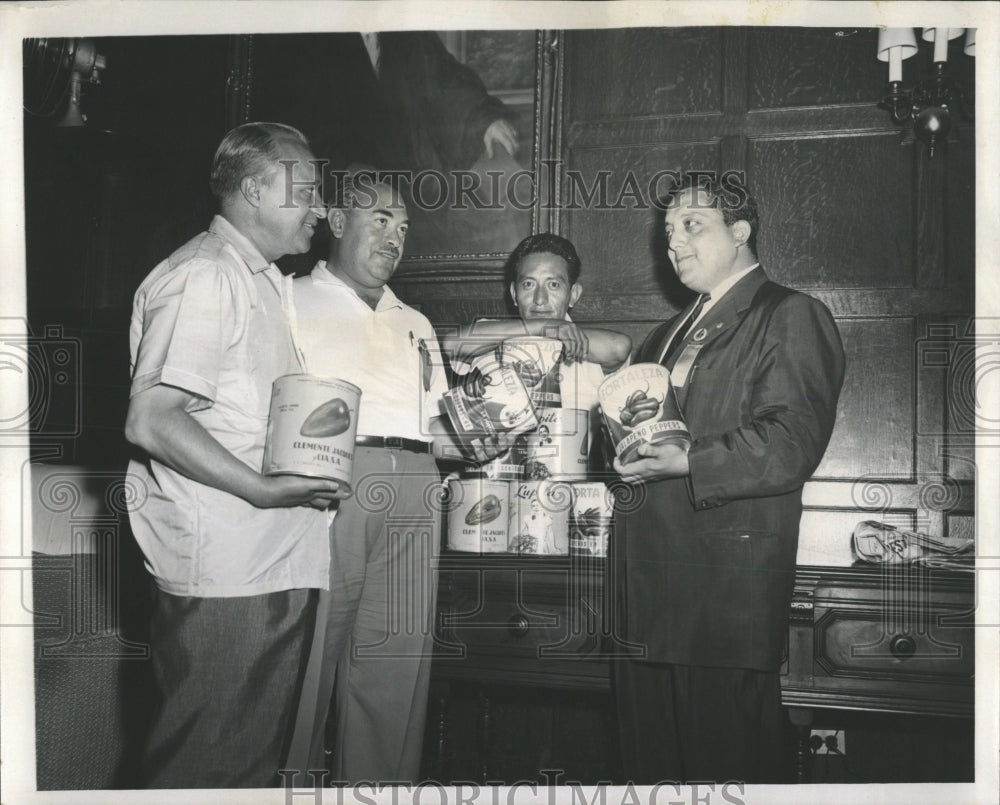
478	515
590	521
560	446
639	405
490	399
311	428
539	518
537	361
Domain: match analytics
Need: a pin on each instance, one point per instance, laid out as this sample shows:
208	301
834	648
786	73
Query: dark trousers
687	724
229	670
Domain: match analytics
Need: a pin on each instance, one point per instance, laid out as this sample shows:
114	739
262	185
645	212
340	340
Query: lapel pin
699	334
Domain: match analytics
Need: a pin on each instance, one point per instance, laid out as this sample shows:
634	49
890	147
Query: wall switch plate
841	741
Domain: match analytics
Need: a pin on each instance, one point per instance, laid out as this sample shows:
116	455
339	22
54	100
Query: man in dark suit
704	562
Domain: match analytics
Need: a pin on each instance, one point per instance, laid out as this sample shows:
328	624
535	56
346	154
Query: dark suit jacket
705	565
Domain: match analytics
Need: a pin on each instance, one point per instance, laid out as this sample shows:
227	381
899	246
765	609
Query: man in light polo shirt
373	636
234	553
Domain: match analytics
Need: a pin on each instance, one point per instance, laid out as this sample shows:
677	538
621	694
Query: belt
395	443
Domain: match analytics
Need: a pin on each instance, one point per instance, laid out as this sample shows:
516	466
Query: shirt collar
723	287
322	275
247	251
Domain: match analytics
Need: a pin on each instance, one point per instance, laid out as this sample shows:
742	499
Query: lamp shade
970	42
894	45
953	33
902	38
940	37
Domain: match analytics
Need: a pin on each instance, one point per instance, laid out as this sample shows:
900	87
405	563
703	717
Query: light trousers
373	639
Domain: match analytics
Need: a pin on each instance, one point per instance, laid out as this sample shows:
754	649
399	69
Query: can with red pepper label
538	362
489	400
477	510
591	519
639	405
311	428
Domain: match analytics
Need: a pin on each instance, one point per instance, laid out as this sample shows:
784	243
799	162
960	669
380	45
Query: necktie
684	329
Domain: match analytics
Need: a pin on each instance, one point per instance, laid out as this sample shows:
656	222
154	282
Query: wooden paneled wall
852	211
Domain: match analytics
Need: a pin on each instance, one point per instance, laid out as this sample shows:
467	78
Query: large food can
590	520
503	468
639	405
539	518
560	446
538	362
489	400
478	515
311	428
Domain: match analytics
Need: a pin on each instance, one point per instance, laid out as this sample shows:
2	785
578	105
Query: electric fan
55	71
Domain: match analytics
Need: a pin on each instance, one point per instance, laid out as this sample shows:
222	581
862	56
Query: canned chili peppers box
478	515
538	362
489	400
639	405
506	467
591	519
311	427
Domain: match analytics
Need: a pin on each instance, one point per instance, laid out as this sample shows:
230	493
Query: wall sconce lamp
930	101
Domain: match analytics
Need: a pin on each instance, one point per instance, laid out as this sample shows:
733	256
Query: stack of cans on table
536	499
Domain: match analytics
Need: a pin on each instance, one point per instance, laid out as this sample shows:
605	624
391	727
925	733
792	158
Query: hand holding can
639	406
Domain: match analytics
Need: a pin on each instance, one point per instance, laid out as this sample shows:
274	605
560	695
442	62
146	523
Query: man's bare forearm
608	348
159	423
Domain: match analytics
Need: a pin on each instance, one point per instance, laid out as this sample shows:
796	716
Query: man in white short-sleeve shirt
373	630
234	554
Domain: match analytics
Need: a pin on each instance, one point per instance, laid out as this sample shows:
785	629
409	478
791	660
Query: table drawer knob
518	625
903	646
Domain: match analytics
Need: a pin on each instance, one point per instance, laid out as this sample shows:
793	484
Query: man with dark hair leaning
705	566
234	554
542	276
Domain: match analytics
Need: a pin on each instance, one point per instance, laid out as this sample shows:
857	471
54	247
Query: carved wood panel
644	71
812	67
874	432
835	211
609	207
